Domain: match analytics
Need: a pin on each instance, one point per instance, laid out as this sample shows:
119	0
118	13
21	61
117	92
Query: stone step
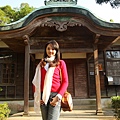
84	104
84	101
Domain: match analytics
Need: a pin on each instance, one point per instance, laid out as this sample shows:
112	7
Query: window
113	67
7	76
112	54
7	70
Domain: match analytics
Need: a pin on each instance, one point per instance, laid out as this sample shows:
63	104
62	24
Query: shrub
4	111
116	105
1	89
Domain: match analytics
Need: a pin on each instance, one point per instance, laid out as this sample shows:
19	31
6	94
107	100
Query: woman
50	88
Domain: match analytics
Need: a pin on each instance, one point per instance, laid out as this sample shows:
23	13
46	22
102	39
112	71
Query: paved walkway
74	115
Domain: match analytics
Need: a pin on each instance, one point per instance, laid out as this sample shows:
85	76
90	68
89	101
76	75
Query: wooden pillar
26	79
97	80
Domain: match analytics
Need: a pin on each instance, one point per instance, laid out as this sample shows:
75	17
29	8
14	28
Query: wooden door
77	72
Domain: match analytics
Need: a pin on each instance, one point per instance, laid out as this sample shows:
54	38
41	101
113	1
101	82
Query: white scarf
48	80
50	59
47	86
37	83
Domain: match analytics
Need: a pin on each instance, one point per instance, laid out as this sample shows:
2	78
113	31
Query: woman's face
50	51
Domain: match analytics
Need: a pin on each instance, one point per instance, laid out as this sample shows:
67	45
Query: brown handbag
66	102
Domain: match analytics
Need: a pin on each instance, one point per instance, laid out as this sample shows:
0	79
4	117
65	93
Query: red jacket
58	85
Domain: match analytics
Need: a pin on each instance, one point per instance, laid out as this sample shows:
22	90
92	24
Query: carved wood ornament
60	25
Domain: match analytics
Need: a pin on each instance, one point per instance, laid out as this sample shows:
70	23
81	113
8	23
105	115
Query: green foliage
24	10
9	15
113	3
115	100
3	18
101	1
111	20
4	111
1	89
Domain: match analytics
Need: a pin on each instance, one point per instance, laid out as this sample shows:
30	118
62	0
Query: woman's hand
41	102
54	101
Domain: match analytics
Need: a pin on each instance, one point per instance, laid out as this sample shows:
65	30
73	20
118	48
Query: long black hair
55	46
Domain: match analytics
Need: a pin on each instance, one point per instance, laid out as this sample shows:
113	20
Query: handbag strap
60	75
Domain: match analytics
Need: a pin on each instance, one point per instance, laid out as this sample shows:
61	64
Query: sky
104	11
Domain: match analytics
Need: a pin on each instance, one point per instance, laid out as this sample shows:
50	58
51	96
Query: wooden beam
70	50
32	58
115	40
60	38
26	80
118	38
96	39
97	79
67	39
26	39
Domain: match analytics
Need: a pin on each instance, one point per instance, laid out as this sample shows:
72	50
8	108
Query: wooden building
89	46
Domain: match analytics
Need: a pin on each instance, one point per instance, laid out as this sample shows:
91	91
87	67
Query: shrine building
89	46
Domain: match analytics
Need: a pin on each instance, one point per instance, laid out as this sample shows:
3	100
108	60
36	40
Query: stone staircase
86	104
79	104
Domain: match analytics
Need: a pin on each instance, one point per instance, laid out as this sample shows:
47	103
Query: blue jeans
50	112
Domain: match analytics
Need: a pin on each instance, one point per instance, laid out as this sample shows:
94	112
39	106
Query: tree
24	10
5	14
113	3
111	20
9	15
